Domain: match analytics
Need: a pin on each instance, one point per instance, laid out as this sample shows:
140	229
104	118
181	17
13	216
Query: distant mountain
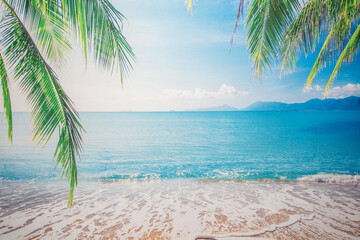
344	104
224	108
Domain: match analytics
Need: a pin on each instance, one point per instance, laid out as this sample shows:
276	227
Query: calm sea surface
206	145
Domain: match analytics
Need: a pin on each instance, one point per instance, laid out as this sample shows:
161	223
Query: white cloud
224	91
316	88
344	91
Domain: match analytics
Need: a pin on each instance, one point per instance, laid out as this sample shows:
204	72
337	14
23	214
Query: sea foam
331	178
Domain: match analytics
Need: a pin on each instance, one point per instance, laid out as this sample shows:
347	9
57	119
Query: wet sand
180	209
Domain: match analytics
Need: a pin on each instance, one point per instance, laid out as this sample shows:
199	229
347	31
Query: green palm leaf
303	33
267	21
96	23
335	38
51	108
280	29
47	25
6	97
321	59
44	38
317	18
346	55
99	26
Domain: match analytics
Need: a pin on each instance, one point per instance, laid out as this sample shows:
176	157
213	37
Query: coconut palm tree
34	37
279	30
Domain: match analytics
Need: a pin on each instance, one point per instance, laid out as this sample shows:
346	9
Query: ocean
205	145
181	175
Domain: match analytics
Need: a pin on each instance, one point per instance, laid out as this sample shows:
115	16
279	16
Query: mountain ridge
330	104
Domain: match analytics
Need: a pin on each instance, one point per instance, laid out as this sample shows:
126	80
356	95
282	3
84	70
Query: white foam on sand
331	178
179	209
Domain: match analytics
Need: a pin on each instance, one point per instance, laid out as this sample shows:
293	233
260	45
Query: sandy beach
181	209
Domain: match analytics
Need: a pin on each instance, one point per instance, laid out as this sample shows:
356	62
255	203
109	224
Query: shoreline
320	178
181	209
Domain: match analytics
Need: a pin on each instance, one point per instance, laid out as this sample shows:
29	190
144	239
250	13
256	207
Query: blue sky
183	62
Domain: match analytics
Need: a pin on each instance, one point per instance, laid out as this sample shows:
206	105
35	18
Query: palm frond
46	23
303	33
51	107
333	43
317	18
267	21
99	26
321	60
347	55
6	97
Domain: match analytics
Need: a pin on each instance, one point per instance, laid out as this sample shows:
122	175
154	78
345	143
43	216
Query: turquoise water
206	145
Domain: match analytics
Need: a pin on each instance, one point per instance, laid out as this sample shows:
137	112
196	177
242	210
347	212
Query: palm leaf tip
99	26
347	54
6	97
